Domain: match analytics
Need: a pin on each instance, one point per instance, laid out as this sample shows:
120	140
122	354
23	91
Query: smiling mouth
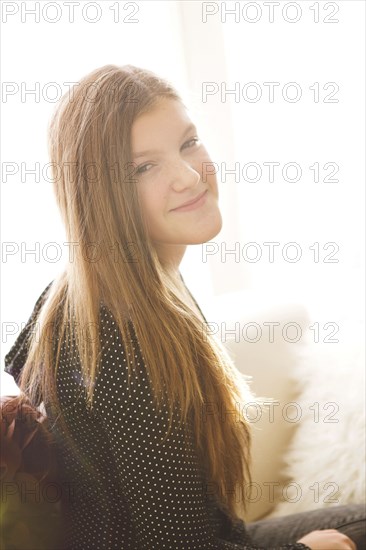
193	204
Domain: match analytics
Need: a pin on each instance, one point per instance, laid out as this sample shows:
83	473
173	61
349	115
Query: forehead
167	119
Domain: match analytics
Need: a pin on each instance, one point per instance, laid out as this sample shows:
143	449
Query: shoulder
115	358
109	328
44	293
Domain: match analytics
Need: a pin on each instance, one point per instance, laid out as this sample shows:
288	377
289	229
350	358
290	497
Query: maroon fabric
31	512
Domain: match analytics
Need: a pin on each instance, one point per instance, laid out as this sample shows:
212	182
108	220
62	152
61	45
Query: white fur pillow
325	460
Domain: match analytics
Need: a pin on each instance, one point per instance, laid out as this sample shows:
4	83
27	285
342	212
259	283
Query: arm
15	358
162	482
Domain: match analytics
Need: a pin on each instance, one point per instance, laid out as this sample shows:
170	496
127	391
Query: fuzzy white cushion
325	459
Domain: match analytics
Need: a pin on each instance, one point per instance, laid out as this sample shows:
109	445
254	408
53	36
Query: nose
183	175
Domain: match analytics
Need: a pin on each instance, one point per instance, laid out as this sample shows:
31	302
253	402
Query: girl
131	383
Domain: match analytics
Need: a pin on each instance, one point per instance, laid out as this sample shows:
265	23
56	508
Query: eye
192	141
141	169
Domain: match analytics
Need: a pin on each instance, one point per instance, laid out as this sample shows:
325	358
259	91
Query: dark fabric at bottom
349	519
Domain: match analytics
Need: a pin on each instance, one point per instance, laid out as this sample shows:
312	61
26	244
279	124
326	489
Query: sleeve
162	481
15	359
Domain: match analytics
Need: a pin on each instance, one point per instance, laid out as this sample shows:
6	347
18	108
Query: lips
193	201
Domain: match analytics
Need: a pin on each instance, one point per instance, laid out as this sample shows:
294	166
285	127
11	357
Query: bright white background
175	40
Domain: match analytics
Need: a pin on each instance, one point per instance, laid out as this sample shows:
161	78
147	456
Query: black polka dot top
125	488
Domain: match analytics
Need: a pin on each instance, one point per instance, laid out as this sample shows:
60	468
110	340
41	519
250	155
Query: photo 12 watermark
270	12
70	12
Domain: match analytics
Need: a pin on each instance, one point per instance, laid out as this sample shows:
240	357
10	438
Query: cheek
152	204
206	168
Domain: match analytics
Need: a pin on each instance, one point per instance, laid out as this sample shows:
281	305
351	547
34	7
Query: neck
170	257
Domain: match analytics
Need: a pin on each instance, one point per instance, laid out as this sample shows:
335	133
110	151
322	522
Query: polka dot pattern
123	486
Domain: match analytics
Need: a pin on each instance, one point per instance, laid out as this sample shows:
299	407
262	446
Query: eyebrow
150	151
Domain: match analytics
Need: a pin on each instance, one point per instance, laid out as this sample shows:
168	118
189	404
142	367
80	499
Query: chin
207	233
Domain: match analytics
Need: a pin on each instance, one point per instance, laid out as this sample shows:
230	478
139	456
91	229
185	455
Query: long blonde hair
89	147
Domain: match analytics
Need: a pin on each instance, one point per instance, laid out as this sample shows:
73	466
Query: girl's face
171	165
